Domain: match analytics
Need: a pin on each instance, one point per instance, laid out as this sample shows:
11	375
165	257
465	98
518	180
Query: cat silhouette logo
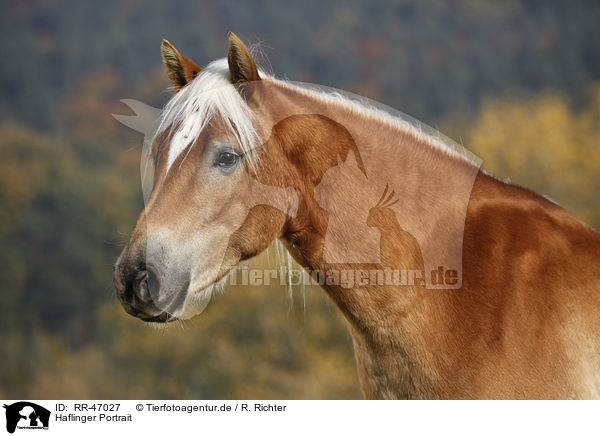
26	415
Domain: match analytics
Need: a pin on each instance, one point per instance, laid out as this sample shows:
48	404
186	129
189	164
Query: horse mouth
176	309
160	318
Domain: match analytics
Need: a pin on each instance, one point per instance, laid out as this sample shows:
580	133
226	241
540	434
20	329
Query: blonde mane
211	95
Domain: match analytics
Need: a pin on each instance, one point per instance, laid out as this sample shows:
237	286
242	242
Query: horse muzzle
147	291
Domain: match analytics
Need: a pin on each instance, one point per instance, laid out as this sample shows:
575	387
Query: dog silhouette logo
26	415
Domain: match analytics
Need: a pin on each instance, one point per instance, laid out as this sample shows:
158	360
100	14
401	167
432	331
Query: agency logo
26	415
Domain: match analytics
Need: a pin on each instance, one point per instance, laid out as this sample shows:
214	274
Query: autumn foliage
513	81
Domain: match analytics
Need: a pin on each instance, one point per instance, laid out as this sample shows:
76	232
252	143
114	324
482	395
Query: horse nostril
141	280
153	282
148	284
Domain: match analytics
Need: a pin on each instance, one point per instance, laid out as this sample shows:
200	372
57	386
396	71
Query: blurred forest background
517	82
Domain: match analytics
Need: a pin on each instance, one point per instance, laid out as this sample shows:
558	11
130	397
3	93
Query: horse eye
227	159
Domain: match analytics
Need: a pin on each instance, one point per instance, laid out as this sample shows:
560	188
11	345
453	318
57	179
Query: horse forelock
210	95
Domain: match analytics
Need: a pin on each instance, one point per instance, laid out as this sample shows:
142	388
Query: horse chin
200	295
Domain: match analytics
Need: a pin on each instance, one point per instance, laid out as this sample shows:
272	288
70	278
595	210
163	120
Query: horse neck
432	185
313	139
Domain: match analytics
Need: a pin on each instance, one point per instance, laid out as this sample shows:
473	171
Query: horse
504	302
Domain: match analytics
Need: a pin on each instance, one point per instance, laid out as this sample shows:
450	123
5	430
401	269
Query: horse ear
241	65
180	68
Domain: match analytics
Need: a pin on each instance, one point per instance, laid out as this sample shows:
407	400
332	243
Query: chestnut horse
242	159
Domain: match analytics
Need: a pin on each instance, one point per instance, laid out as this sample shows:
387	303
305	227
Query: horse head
207	208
